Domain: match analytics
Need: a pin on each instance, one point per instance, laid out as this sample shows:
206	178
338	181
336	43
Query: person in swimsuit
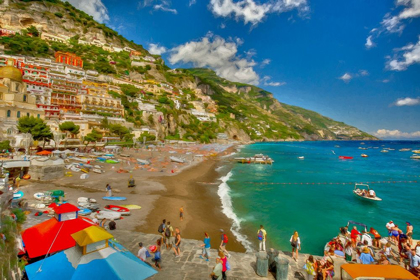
181	213
377	236
177	244
410	233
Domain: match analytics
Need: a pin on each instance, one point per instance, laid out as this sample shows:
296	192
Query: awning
371	270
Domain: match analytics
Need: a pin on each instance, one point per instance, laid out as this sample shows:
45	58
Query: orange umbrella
44	153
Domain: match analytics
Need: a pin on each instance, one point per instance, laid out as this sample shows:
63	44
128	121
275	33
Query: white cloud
218	54
192	2
385	81
346	77
251	11
369	44
156	49
408	101
396	134
404	57
267	82
265	62
363	73
222	25
95	8
162	5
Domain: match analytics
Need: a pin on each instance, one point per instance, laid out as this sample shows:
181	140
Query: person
295	242
414	257
310	267
389	227
181	213
366	257
131	182
372	193
177	244
206	247
366	237
224	260
142	252
348	251
376	242
169	234
262	236
388	251
409	233
112	225
217	270
161	230
157	259
354	234
328	269
395	234
383	260
109	190
224	239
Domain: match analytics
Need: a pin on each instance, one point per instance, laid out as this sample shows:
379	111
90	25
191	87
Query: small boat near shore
118	209
345	157
176	159
258	158
363	191
364	155
109	215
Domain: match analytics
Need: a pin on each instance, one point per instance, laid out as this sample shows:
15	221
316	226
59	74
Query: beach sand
159	192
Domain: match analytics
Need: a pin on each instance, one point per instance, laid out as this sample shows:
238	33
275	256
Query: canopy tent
44	153
111	263
40	237
91	235
376	271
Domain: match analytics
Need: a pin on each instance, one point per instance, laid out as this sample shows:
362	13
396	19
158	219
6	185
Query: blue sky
354	61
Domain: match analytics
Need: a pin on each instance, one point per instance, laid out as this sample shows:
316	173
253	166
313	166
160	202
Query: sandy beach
161	189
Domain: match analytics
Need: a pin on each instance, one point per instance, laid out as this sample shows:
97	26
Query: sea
313	196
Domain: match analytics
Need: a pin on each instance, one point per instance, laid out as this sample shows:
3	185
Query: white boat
86	199
97	170
302	157
415	157
176	159
258	158
416	151
364	155
363	191
384	151
405	150
143	161
75	169
109	215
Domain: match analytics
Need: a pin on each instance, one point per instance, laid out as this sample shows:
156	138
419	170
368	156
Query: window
25	98
9	113
38	116
18	114
27	114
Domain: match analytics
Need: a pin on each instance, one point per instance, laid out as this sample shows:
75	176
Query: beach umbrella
44	153
94	257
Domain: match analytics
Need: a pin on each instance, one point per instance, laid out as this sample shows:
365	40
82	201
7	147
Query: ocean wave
223	192
219	168
228	155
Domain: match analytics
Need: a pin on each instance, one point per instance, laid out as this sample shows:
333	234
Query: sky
354	61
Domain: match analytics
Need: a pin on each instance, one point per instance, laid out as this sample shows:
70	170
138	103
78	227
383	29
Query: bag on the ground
225	238
160	228
260	235
168	232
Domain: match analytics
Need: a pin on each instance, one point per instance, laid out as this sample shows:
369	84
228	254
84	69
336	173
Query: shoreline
196	189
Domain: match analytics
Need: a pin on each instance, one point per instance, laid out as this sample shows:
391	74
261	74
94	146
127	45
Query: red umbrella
44	153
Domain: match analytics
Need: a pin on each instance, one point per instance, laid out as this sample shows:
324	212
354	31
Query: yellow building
97	100
15	102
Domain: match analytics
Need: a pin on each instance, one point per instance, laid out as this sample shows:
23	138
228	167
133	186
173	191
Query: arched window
9	113
18	114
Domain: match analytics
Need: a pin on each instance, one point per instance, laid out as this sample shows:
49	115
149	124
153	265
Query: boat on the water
364	155
302	157
405	150
176	159
415	157
258	158
345	157
416	151
337	146
384	151
118	209
363	191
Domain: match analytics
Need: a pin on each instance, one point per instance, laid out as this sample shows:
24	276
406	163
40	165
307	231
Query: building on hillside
69	59
55	38
64	93
117	49
135	55
37	81
82	42
97	42
15	102
147	107
203	116
74	72
7	32
128	49
15	60
149	58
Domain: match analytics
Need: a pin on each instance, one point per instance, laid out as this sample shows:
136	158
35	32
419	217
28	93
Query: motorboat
88	203
384	151
364	155
416	151
118	209
302	157
415	157
345	157
176	159
257	158
363	191
97	170
405	150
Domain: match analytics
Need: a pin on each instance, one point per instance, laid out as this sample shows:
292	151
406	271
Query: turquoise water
261	194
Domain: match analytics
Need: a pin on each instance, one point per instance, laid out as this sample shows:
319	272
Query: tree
69	127
60	15
94	136
36	127
119	130
149	137
129	90
32	30
5	145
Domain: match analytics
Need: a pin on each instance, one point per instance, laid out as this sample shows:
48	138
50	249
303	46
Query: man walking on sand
262	236
181	213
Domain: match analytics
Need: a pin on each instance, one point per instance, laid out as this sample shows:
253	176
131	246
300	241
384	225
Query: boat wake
227	207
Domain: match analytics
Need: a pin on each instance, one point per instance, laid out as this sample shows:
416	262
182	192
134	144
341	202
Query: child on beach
206	247
157	258
181	213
